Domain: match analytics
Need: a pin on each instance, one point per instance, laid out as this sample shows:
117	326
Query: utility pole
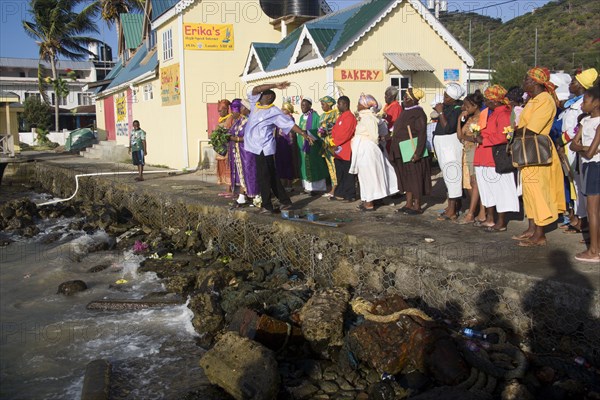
489	56
536	48
470	35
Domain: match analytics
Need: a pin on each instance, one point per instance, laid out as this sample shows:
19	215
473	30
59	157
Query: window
402	83
84	99
167	44
152	39
22	75
62	101
148	92
29	94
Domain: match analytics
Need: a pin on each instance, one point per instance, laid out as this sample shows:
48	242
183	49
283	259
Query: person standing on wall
259	139
340	142
448	148
137	148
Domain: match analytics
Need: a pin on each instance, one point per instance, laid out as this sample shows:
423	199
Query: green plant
509	73
219	139
39	115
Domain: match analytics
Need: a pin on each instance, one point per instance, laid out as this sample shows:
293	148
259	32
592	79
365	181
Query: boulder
242	367
408	344
208	317
266	330
71	287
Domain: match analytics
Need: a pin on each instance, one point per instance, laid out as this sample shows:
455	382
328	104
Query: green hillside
566	32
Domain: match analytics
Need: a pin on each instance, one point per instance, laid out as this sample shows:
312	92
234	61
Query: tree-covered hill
567	30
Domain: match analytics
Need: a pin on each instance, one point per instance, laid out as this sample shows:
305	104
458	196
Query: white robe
376	175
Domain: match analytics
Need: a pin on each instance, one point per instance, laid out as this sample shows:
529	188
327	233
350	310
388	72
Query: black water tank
273	8
302	7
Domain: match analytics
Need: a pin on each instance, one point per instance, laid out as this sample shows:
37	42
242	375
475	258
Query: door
109	119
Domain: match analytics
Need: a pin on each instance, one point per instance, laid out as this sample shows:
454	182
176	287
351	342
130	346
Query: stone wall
551	314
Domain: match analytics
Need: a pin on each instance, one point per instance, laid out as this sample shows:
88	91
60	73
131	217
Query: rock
208	317
407	345
181	284
312	369
414	380
243	368
30	231
239	265
383	390
96	383
344	384
5	242
304	391
98	268
51	238
329	387
264	329
163	267
71	287
213	278
452	393
119	305
322	319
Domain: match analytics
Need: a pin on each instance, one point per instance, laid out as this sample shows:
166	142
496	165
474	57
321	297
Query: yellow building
363	49
9	124
193	53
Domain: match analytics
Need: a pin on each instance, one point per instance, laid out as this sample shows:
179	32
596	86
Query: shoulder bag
502	159
530	149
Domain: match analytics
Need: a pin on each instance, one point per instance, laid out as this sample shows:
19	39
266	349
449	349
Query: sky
15	43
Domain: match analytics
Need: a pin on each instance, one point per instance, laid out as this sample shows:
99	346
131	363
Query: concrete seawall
468	276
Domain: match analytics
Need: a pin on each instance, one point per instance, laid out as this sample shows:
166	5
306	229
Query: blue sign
451	74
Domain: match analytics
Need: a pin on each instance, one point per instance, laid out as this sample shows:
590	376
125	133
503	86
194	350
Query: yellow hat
587	78
416	94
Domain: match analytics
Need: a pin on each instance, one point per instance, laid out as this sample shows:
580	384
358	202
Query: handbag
408	147
530	149
502	159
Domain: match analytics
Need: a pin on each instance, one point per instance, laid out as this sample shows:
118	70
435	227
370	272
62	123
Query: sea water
47	339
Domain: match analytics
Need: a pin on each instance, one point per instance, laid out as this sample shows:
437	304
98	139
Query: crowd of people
378	152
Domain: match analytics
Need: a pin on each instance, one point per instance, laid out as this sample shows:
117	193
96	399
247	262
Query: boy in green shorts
137	148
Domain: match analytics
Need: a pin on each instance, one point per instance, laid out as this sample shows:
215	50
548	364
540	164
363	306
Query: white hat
439	99
562	81
455	91
308	99
246	103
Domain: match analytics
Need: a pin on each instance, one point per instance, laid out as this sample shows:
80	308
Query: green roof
132	25
332	33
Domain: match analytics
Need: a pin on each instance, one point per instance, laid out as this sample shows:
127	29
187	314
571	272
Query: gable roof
159	7
132	29
144	62
336	33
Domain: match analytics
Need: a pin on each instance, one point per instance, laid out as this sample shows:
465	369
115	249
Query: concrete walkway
452	242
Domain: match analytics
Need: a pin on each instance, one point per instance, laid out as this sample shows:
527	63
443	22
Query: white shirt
589	126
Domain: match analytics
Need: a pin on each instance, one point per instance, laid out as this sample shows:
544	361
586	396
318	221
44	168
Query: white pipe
100	174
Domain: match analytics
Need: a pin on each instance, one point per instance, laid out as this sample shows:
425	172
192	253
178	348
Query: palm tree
59	31
111	10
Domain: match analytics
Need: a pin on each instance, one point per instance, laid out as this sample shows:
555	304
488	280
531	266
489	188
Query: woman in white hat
448	149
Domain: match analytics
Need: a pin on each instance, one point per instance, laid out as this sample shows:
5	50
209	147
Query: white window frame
167	44
62	101
148	93
84	99
401	88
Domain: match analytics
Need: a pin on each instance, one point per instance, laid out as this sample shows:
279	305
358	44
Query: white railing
6	146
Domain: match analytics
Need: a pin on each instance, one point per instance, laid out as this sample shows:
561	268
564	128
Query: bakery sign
357	75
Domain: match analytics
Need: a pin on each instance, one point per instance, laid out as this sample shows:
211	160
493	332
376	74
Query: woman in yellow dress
543	191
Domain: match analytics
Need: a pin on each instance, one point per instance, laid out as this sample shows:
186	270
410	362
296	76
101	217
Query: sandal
479	224
529	243
447	218
491	229
572	229
523	236
410	211
580	257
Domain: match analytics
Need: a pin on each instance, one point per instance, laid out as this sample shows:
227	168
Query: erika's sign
214	37
372	75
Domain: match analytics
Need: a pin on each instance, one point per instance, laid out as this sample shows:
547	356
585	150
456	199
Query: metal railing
7	148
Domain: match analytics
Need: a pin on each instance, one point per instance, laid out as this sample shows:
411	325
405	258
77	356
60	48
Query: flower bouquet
476	129
509	132
219	139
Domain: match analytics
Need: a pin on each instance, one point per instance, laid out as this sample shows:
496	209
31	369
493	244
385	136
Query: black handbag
502	159
529	149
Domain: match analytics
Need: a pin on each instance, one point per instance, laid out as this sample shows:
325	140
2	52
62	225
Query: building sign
451	75
169	85
358	75
208	37
122	122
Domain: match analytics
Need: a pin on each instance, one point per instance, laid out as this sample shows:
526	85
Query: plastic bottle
581	362
471	333
387	377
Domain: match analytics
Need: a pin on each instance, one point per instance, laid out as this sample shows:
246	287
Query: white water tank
444	5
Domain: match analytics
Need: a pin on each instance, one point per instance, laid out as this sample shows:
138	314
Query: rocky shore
273	333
